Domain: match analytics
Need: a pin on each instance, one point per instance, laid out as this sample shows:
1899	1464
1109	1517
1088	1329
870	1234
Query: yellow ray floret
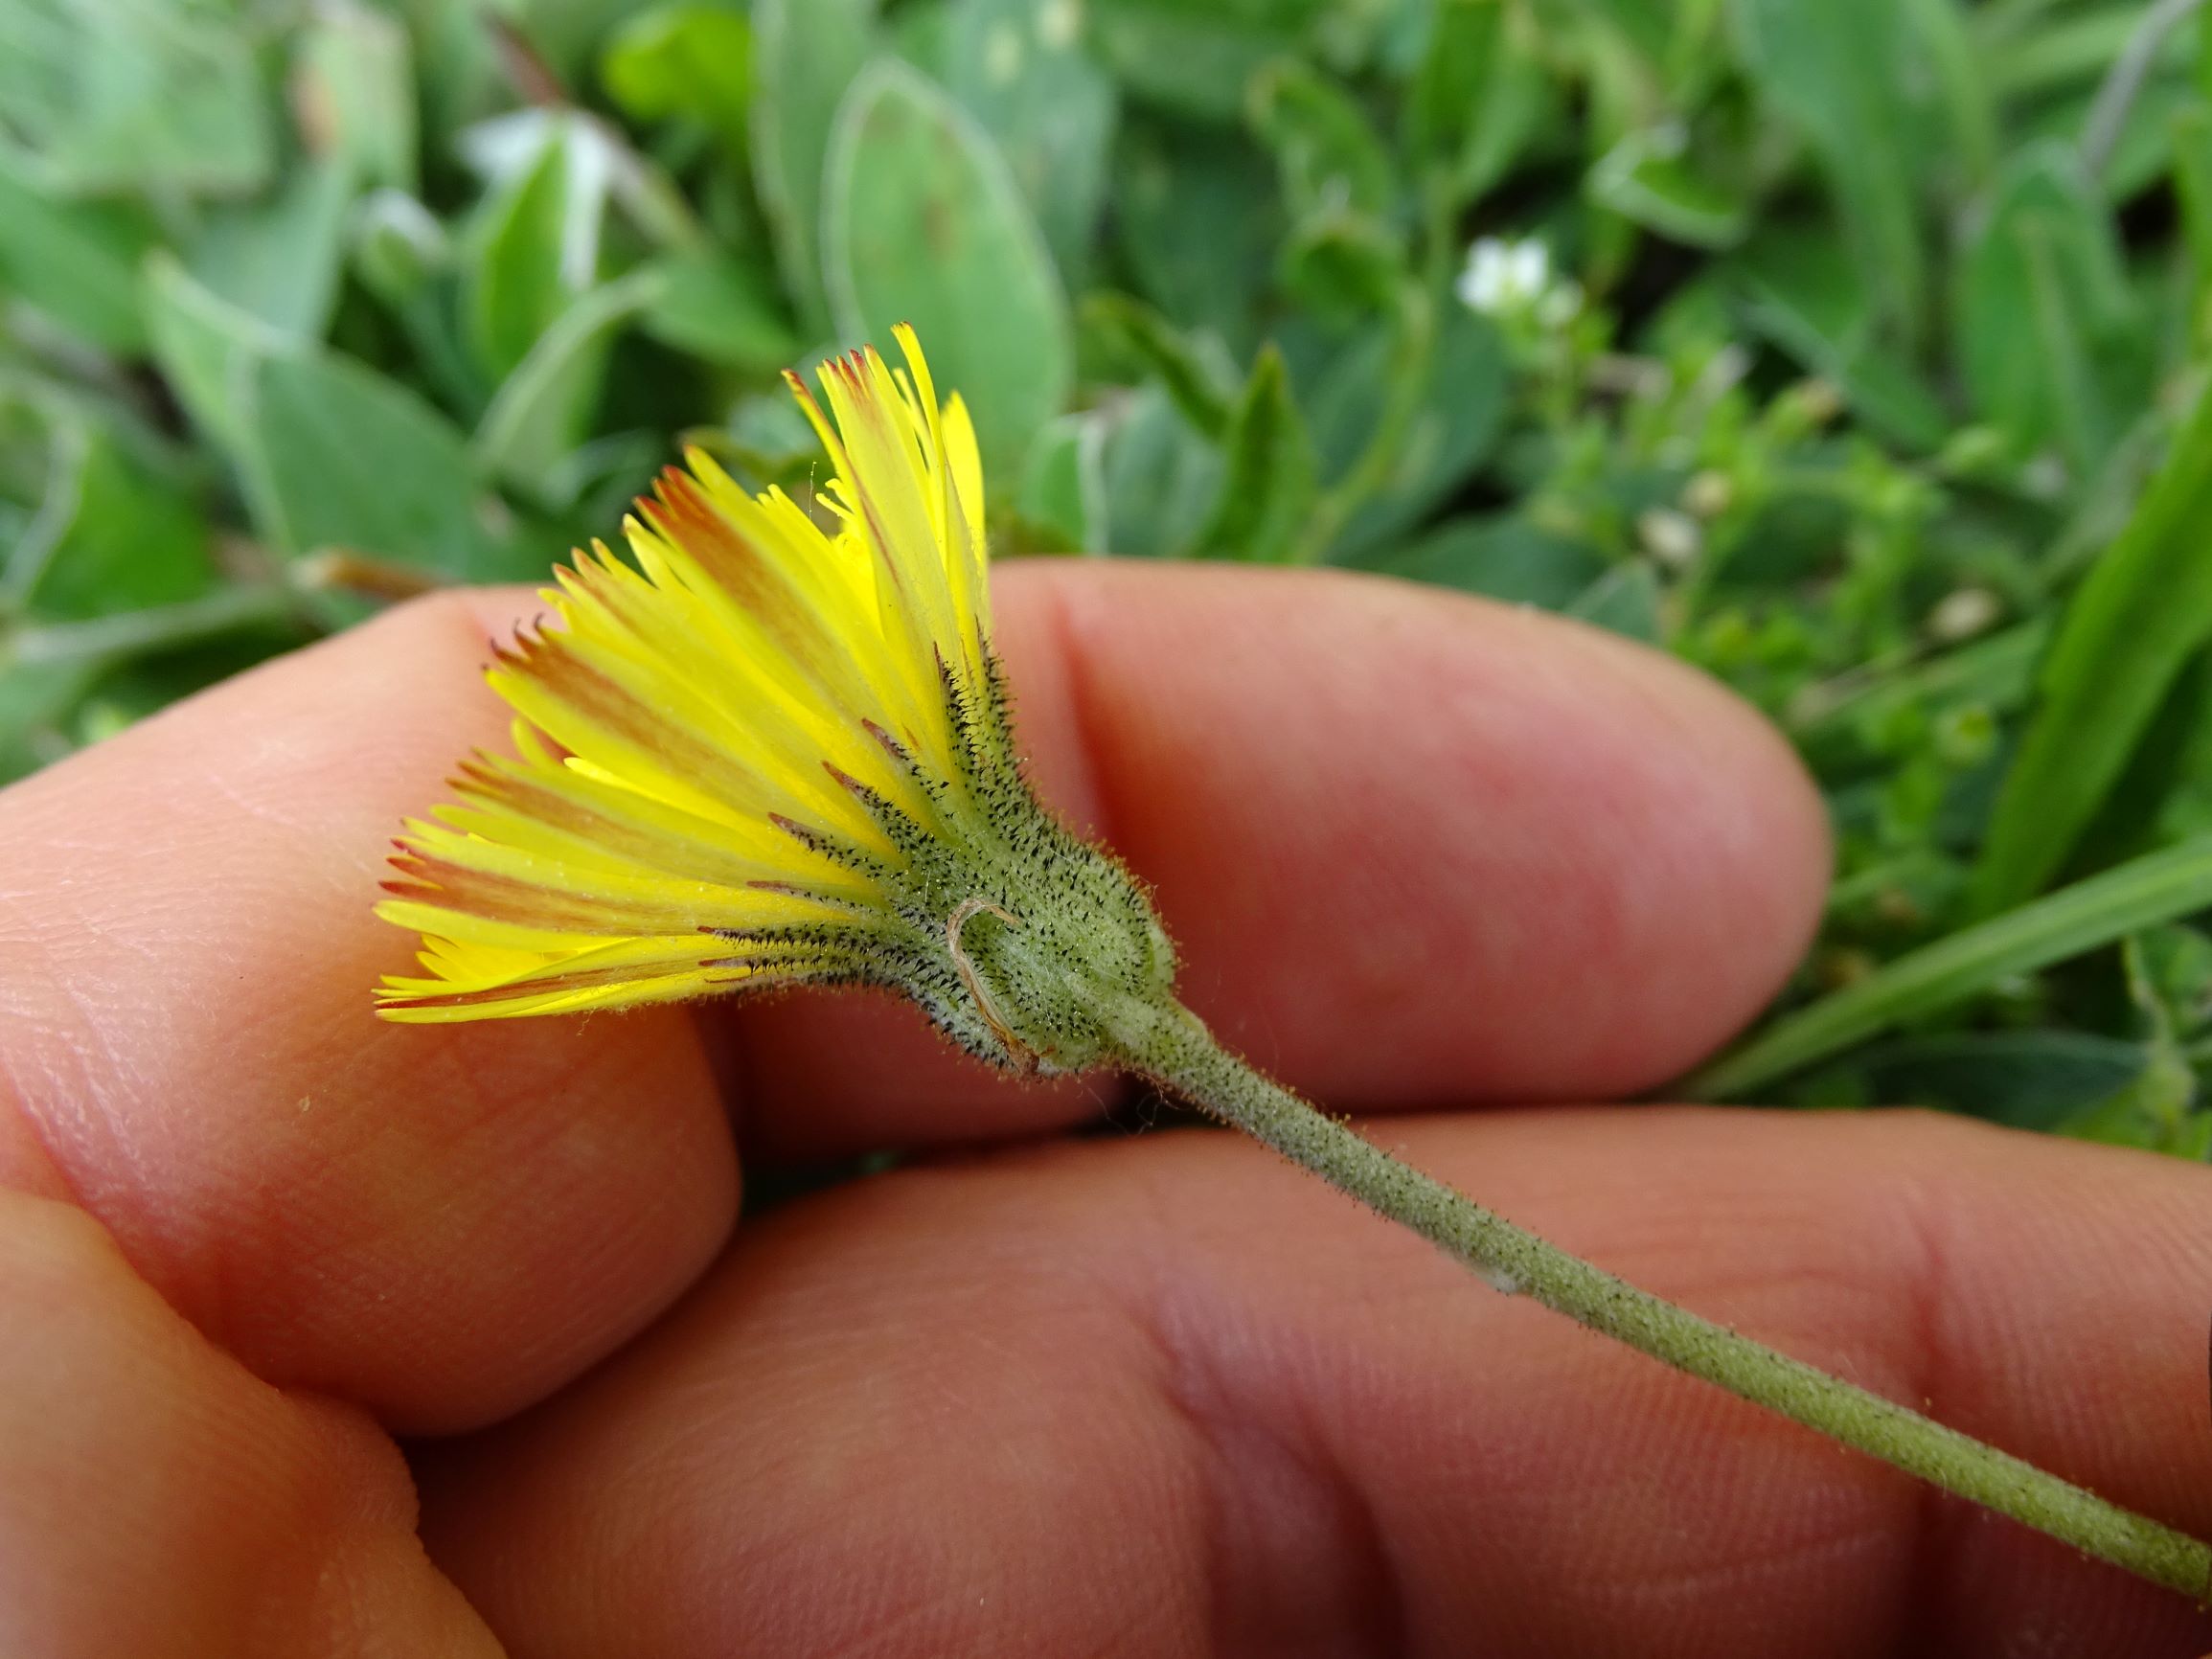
700	736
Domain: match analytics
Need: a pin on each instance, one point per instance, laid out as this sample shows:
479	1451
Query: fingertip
1414	848
439	1224
1417	846
156	1498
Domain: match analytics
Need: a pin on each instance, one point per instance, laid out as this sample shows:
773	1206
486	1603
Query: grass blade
2143	893
2144	609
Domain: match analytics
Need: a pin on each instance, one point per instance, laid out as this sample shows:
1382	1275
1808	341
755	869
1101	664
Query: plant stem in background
162	627
1173	1048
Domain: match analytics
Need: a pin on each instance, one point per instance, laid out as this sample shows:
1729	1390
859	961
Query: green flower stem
1173	1048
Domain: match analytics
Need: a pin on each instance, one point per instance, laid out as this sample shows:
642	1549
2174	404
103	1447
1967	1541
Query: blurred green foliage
1848	349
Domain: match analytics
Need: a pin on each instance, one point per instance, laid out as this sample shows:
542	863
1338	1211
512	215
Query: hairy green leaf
805	56
926	225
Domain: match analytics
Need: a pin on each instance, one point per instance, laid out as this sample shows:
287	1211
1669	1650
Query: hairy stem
1171	1047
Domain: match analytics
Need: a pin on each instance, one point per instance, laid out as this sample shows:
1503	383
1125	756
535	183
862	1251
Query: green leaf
1199	223
1646	179
1192	56
2193	187
519	269
2171	975
2167	760
1176	362
2144	609
76	261
2146	892
205	349
185	625
329	453
399	247
280	259
1625	601
1840	71
1330	158
1343	264
2150	1111
1795	288
925	224
543	410
2025	1079
722	311
1505	557
566	35
1269	482
2043	265
766	439
1523	102
687	57
1162	478
353	88
1019	68
117	533
806	54
459	72
1063	484
1996	672
1940	36
34	701
1443	106
151	96
1459	419
351	460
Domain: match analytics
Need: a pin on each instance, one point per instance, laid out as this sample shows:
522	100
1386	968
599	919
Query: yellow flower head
776	752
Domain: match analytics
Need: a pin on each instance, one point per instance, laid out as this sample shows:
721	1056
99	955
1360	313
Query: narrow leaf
1172	356
1270	483
543	409
514	278
1445	105
2158	888
2143	610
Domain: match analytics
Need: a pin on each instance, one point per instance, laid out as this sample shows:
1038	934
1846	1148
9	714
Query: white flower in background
1515	279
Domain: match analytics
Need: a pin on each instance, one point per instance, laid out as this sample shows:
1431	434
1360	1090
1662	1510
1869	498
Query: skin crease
1157	1395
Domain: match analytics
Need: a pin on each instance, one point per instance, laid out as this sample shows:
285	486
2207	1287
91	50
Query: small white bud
1674	538
1709	494
2044	477
1964	614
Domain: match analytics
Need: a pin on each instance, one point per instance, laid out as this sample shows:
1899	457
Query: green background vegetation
1875	390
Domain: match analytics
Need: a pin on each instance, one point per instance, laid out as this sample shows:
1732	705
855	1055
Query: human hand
1148	1397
